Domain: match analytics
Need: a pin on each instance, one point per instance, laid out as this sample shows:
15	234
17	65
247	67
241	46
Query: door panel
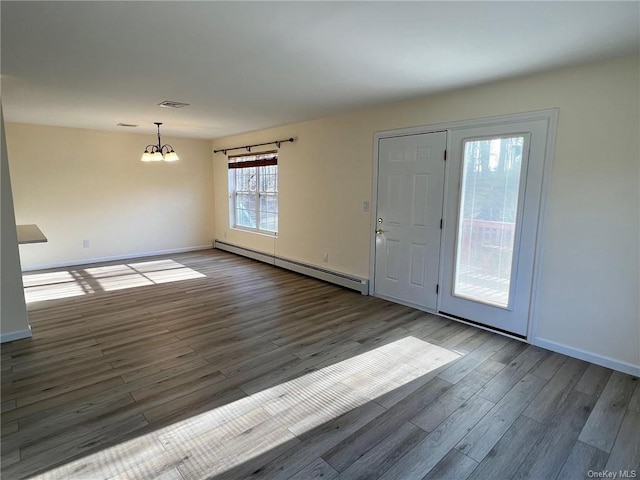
410	195
393	260
493	197
418	264
394	214
420	204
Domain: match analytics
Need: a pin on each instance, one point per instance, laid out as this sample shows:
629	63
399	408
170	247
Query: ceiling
244	66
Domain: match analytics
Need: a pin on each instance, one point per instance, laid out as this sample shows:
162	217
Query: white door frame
550	115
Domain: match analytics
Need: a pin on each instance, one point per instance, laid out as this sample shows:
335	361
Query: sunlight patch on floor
81	281
221	439
52	285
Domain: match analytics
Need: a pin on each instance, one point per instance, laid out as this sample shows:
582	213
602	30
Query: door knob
378	231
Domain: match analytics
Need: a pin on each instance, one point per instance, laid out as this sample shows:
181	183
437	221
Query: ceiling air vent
130	125
172	104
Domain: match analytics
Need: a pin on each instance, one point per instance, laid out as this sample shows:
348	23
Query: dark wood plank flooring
209	365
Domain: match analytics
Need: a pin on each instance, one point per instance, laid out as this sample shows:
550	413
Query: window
253	192
489	198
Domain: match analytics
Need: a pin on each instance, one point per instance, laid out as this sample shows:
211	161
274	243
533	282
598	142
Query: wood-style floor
209	365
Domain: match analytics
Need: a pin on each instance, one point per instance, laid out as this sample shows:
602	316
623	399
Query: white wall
80	185
587	300
14	323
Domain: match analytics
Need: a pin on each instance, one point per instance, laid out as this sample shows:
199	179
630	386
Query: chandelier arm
154	148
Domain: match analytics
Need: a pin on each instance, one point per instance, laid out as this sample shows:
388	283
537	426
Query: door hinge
440	224
445	155
437	287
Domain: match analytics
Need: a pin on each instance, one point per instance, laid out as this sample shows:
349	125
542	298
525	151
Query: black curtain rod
249	147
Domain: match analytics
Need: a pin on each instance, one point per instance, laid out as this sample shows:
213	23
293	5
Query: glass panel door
493	194
489	199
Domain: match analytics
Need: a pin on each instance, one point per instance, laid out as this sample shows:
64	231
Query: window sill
256	232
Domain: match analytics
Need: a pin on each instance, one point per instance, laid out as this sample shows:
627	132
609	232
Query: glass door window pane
487	219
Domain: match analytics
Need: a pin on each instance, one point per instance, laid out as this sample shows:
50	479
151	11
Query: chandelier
159	152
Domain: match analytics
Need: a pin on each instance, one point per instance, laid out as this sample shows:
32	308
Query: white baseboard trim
19	335
601	360
245	252
348	281
128	256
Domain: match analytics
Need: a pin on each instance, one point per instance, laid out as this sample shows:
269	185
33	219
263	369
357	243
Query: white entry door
408	218
494	191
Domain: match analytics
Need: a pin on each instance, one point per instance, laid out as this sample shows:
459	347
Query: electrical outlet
325	257
85	243
365	206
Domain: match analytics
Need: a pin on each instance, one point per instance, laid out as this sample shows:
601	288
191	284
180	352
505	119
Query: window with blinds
253	192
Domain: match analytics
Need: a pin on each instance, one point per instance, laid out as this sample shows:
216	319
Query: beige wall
91	185
587	300
14	323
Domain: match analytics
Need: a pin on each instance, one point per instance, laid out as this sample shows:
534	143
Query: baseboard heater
354	283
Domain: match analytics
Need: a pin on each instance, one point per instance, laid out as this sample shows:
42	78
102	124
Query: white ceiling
245	66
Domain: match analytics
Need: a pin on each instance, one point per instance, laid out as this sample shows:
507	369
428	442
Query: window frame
260	161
